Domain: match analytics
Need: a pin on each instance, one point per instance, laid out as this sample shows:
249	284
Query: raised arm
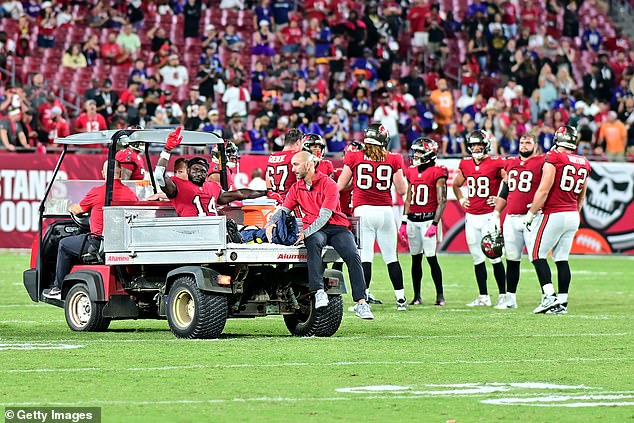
164	181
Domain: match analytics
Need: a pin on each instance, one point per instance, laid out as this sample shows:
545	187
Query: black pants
68	253
341	239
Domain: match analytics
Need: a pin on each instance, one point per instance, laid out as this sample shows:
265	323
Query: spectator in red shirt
416	18
291	37
317	197
57	126
90	120
111	52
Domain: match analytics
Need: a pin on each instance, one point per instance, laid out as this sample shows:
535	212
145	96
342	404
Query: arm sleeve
320	222
277	215
89	201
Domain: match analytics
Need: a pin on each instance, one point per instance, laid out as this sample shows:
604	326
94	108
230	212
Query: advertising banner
607	216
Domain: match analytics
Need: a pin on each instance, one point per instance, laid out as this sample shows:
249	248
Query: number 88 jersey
523	178
482	181
372	181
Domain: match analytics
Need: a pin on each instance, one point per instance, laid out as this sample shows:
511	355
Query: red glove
402	233
174	139
274	196
431	231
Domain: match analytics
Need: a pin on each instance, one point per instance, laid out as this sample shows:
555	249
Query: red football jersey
326	167
524	177
91	124
372	181
423	187
133	161
193	200
307	203
95	198
571	173
279	171
345	196
483	180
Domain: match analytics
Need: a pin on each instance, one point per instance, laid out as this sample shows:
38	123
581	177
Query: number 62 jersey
372	181
571	173
482	180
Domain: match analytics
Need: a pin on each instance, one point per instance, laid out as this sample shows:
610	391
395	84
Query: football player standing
483	175
373	171
523	174
560	196
279	175
424	206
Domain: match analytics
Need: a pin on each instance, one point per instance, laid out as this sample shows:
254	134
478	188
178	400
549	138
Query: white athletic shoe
558	309
480	301
363	311
54	293
321	299
510	302
548	302
501	304
401	305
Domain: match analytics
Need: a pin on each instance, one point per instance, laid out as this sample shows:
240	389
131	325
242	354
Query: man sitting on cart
196	196
71	247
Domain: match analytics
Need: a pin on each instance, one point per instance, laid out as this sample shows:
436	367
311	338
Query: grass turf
430	364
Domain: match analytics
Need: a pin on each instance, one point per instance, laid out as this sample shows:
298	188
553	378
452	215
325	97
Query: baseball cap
210	27
213	112
55	110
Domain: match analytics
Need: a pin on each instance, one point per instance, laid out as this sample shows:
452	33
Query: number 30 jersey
482	180
372	181
571	173
523	178
423	187
279	171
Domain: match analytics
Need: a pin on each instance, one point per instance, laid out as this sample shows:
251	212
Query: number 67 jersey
372	181
482	180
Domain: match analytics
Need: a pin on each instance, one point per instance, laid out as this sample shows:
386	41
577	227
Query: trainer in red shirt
196	196
315	198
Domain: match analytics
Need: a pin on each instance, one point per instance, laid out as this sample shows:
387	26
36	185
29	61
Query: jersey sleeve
397	162
552	157
290	201
443	173
350	160
214	189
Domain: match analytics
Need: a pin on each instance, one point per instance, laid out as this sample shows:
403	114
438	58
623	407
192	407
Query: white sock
367	293
548	289
400	294
563	298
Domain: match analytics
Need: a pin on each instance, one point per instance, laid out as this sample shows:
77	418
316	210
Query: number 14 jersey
372	181
482	180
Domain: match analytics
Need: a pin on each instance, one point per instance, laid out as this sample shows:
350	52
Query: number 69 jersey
482	180
372	181
423	187
523	178
571	173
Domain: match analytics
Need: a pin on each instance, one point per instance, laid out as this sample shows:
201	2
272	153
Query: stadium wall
607	217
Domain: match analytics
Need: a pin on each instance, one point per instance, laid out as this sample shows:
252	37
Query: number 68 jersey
482	180
523	178
372	181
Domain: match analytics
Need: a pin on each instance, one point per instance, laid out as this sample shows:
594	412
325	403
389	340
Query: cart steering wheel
82	220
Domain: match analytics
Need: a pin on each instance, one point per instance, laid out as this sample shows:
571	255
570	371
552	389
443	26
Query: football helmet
566	136
479	137
492	245
423	151
376	134
311	140
233	154
353	146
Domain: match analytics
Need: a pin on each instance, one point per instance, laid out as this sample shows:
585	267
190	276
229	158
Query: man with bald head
315	198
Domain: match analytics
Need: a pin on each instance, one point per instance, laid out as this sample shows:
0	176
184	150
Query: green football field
428	364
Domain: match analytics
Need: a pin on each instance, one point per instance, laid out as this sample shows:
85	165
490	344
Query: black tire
195	314
308	321
82	313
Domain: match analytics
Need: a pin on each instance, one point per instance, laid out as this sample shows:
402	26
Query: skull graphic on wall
610	190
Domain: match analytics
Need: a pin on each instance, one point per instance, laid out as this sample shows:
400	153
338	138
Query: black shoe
372	300
417	301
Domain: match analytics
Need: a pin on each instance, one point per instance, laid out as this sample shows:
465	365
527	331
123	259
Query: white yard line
312	364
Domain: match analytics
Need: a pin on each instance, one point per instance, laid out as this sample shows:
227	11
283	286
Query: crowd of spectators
331	68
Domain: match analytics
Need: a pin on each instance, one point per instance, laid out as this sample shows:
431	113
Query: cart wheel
308	321
192	313
83	314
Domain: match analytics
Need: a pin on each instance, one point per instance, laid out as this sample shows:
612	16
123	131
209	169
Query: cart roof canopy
154	136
